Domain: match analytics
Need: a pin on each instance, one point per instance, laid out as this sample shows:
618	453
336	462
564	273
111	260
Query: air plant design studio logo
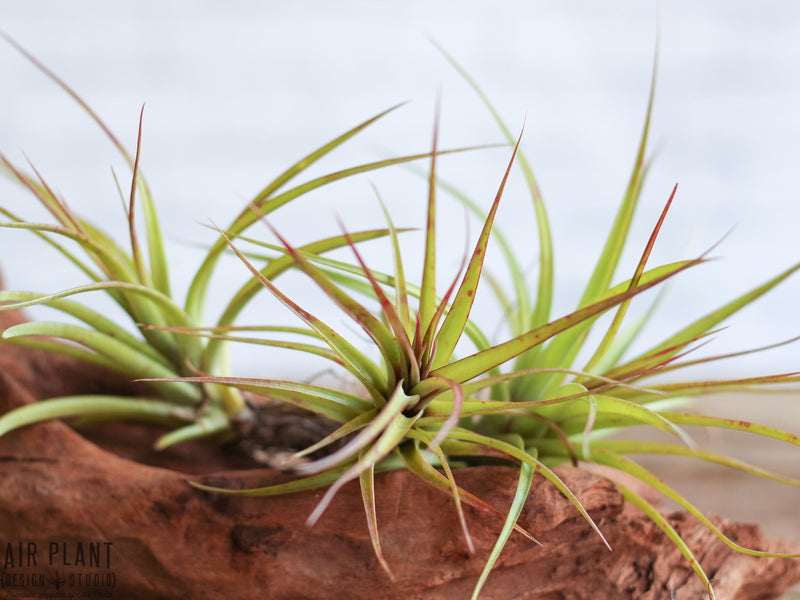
57	569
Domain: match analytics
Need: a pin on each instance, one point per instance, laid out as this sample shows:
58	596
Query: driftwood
109	518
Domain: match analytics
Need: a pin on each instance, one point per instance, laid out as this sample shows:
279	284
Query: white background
237	91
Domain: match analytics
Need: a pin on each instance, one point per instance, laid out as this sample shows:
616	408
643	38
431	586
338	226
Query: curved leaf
630	467
657	518
472	366
96	406
515	510
123	358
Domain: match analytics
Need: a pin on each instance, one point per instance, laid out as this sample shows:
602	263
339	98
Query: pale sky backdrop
237	91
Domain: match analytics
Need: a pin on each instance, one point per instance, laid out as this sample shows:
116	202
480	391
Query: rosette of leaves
136	277
416	394
522	401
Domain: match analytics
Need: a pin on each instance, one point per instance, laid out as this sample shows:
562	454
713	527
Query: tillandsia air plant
522	401
424	407
157	345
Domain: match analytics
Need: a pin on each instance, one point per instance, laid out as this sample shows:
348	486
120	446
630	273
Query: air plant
154	345
523	400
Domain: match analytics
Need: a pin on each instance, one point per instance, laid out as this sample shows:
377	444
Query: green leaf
159	266
639	447
622	309
152	308
390	417
427	297
213	422
526	458
480	362
657	518
458	315
337	273
265	205
440	404
367	372
289	345
197	291
355	424
46	238
367	481
435	448
275	268
64	349
96	406
680	418
577	411
118	269
49	199
389	439
515	510
519	317
415	462
400	288
87	315
455	411
336	405
688	363
564	349
295	485
158	260
759	384
628	466
289	487
384	339
541	313
108	258
406	364
123	358
138	260
714	318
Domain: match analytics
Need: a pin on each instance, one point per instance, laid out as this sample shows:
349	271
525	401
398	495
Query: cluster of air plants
523	402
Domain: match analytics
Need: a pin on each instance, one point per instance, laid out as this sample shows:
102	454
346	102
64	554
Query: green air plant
521	401
155	346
